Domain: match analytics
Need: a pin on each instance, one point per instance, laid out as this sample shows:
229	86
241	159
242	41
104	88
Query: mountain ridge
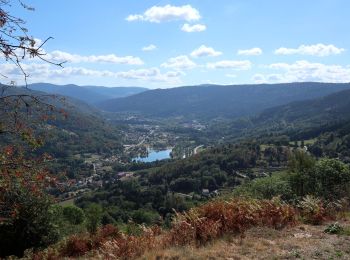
88	94
210	101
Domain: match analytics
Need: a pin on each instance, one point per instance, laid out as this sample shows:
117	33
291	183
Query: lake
154	156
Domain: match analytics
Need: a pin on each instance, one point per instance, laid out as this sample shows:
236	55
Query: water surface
154	156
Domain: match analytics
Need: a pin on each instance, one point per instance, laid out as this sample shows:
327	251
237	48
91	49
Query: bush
33	224
147	217
73	215
266	188
93	215
217	218
334	228
327	178
332	179
312	210
76	246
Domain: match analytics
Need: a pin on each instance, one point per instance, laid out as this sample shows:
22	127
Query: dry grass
300	242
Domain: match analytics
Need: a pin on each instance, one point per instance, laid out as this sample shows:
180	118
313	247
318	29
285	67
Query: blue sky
161	44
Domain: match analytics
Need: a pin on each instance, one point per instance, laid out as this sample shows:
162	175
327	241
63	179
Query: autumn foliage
195	227
217	218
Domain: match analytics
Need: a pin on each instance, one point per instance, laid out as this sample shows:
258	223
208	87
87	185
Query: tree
73	215
332	179
301	178
16	44
32	222
93	215
25	208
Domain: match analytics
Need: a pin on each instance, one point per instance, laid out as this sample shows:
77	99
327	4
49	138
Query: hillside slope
300	242
83	129
89	94
212	101
335	106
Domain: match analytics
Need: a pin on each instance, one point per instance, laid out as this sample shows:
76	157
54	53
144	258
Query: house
205	192
121	174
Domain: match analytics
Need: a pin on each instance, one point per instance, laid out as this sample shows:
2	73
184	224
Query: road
195	150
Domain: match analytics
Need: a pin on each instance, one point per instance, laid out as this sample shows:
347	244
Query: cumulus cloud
46	72
59	56
320	50
305	71
230	64
193	28
204	51
150	47
179	63
250	52
158	14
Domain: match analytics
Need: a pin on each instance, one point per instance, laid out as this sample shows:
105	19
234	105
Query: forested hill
325	121
82	129
332	107
89	94
212	101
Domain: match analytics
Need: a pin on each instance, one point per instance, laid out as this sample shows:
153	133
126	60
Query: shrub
332	179
216	218
76	246
145	216
93	215
32	223
312	210
128	247
73	215
266	188
327	178
334	228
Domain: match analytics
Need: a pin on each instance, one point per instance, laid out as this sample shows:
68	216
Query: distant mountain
213	101
89	94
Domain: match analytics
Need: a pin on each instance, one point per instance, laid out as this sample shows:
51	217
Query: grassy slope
267	243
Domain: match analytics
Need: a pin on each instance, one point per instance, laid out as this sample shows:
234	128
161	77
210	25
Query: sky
163	44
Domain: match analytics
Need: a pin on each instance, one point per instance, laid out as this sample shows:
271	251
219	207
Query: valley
143	167
145	143
170	130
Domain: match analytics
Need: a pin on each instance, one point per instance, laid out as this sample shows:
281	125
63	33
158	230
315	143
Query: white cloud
157	14
204	51
151	74
39	72
231	75
60	56
250	52
179	63
302	71
134	17
230	64
269	78
150	47
314	50
193	28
